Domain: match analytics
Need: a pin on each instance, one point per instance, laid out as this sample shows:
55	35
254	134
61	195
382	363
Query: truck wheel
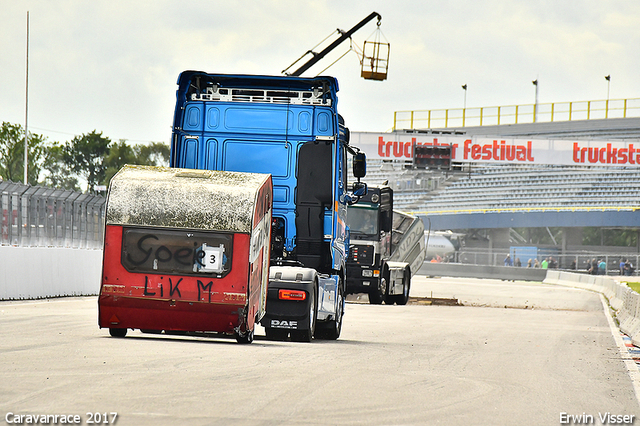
331	329
377	295
118	332
245	338
403	298
307	335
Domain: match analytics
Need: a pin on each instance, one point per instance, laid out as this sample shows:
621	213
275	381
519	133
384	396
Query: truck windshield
362	220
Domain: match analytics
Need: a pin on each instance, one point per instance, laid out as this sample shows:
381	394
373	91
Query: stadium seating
507	187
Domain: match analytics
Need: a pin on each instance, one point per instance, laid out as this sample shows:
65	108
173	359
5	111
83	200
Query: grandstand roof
612	128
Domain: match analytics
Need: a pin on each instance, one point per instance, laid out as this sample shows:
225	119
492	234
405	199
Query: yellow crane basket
375	60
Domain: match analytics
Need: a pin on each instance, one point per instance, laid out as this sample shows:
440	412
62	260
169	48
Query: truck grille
362	255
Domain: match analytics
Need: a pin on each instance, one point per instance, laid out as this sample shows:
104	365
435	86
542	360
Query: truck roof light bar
295	97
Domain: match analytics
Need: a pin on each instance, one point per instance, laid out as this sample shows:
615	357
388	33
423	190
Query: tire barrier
622	299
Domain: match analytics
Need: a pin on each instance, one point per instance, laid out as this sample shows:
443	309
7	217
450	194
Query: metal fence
34	216
516	114
576	261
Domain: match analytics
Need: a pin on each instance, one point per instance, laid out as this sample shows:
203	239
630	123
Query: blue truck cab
287	127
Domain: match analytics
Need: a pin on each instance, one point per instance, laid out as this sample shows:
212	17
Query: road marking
629	362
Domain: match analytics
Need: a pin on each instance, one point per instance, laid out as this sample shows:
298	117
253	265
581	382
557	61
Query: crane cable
377	40
310	51
341	56
360	53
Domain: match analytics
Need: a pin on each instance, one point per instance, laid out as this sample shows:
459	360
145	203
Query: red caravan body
186	250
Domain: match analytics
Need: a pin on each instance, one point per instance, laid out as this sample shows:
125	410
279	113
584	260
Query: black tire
403	298
331	329
377	295
276	334
307	335
118	332
389	299
245	338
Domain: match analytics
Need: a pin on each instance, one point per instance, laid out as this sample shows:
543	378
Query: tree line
90	157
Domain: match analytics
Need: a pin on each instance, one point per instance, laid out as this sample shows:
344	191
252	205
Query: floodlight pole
608	78
26	112
464	87
535	106
464	110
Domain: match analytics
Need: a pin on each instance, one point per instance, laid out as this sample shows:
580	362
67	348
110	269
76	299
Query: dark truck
387	248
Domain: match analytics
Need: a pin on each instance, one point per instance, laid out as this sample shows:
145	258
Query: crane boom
344	35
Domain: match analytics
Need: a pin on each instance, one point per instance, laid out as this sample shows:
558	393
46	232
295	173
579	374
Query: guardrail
517	114
622	299
482	271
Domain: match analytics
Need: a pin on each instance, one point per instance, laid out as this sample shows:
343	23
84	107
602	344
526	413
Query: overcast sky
112	65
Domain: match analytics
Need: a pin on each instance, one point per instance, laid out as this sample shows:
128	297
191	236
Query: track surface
550	351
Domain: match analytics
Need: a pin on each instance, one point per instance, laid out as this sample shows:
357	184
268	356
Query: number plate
212	259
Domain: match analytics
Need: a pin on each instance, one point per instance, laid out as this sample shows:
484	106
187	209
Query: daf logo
283	324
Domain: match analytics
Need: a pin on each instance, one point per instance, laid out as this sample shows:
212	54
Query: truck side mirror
360	189
359	165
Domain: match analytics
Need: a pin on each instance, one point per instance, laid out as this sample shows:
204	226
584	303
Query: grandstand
536	187
490	187
496	187
491	199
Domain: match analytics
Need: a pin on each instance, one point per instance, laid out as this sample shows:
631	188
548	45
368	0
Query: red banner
568	152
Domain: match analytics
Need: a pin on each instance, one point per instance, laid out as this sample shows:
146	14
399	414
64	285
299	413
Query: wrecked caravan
186	251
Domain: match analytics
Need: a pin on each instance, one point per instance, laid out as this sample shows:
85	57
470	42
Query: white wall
622	299
38	272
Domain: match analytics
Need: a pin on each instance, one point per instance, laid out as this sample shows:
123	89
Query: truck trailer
288	131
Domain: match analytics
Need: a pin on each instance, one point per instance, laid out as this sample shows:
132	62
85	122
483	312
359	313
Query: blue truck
289	128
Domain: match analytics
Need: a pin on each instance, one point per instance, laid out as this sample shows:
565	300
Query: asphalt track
514	353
